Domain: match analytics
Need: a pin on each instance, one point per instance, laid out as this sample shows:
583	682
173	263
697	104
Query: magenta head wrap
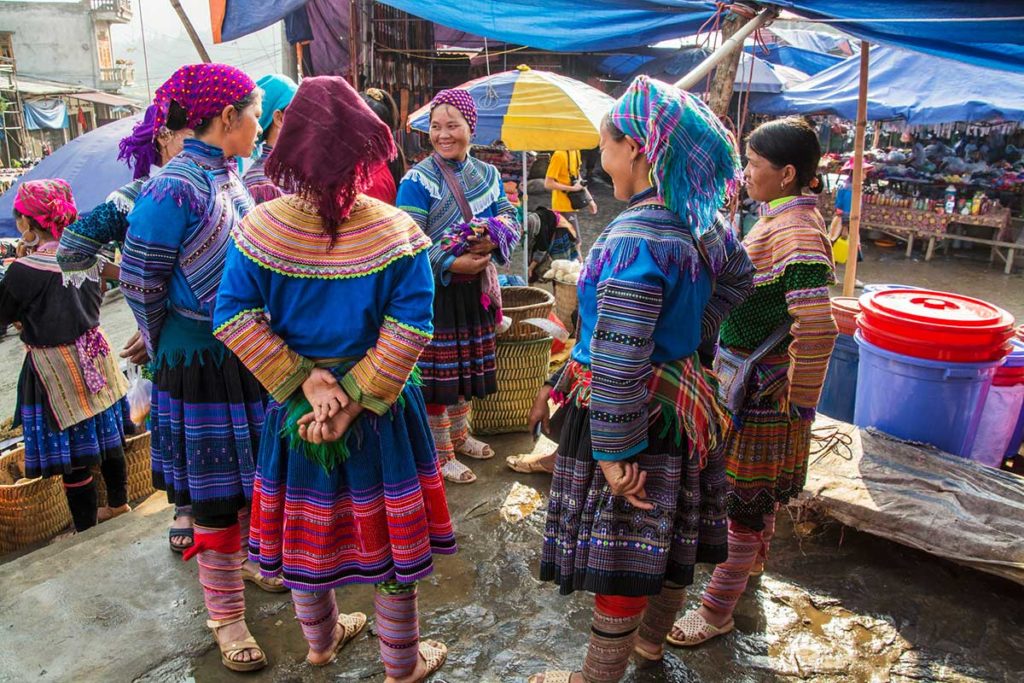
139	150
48	202
461	100
203	90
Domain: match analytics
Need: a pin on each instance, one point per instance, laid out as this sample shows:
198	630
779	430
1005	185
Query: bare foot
106	512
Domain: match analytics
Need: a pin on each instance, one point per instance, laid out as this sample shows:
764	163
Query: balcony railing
119	76
119	11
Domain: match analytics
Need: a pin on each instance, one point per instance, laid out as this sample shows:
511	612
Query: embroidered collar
455	164
774	208
205	155
287	237
643	195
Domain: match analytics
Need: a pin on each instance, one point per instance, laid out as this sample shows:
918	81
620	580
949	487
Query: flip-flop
257	579
479	450
351	625
188	533
696	630
519	463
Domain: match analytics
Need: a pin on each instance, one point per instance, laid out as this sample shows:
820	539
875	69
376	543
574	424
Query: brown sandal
552	677
229	650
257	579
351	625
434	654
522	463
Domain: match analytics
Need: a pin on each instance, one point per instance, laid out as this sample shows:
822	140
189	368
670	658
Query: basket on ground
137	462
31	510
522	369
522	303
566	302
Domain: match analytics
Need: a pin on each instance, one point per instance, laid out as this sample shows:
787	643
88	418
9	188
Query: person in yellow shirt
563	176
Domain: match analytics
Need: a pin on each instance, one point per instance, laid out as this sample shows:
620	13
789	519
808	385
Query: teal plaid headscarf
278	92
694	160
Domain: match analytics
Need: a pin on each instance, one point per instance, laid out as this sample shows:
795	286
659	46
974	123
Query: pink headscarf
461	100
48	202
203	90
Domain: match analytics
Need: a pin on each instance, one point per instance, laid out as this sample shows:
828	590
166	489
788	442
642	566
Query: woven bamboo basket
31	510
522	369
522	303
566	302
140	475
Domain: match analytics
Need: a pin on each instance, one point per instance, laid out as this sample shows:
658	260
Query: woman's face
171	143
619	159
242	128
764	180
449	132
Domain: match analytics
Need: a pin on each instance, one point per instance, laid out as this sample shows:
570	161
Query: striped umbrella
531	110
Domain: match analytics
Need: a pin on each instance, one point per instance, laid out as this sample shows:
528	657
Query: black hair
613	130
790	141
387	111
177	117
31	221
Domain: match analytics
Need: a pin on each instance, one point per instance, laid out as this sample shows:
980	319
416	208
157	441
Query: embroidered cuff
363	398
378	379
278	368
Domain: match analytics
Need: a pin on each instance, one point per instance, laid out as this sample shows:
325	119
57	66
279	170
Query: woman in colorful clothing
638	492
207	407
767	444
459	202
348	488
278	92
385	178
70	393
81	244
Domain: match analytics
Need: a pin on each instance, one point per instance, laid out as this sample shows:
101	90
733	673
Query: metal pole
145	52
727	48
850	278
526	223
191	30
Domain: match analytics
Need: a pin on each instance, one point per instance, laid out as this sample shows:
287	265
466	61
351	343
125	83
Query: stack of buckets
927	364
839	392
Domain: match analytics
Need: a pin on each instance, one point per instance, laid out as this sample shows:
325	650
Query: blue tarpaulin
89	163
807	61
984	32
815	41
46	115
917	88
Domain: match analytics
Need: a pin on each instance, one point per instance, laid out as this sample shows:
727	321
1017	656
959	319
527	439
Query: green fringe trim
393	587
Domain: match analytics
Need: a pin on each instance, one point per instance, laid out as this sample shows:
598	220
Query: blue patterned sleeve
415	200
733	283
81	242
156	229
628	306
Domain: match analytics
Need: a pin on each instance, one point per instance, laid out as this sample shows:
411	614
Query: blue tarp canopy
46	115
984	32
806	61
815	41
89	163
904	85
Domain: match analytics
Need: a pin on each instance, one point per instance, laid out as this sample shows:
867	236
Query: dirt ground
114	604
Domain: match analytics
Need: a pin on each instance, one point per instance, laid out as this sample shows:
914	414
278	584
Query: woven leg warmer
459	414
661	613
220	571
441	430
729	579
318	615
398	627
612	635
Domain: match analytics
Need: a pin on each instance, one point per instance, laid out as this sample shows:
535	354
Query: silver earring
35	239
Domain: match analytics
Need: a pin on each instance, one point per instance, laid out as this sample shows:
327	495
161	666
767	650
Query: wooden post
289	56
850	278
191	30
723	84
740	33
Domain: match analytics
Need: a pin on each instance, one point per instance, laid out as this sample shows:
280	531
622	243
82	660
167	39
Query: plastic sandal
520	463
351	625
474	448
188	533
696	630
258	580
434	654
453	471
552	677
229	650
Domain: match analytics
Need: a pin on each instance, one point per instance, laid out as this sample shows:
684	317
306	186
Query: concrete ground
114	604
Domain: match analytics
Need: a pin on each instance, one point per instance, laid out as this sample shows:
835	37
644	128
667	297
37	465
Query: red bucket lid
943	325
911	345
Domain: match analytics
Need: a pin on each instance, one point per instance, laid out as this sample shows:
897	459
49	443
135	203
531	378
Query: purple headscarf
461	100
203	90
139	150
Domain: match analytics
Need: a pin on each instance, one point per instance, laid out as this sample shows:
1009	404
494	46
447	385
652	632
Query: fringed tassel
327	455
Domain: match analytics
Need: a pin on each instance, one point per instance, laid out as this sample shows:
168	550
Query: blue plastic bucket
839	393
921	400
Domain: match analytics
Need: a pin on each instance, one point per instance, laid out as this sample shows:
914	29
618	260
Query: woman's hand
324	394
541	412
470	264
481	245
135	349
333	429
626	479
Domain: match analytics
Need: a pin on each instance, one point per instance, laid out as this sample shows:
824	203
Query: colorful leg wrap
220	571
459	415
440	429
766	538
661	613
318	615
729	579
398	627
612	637
243	531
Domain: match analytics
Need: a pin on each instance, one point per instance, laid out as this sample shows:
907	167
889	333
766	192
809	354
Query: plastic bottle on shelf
951	199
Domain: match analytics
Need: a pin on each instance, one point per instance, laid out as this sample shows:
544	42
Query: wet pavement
114	604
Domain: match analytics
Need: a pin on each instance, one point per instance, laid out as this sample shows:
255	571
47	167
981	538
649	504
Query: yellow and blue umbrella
532	110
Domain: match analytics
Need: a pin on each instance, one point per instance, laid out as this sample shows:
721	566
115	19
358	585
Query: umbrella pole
526	223
850	279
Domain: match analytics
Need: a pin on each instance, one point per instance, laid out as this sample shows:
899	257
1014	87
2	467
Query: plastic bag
139	396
